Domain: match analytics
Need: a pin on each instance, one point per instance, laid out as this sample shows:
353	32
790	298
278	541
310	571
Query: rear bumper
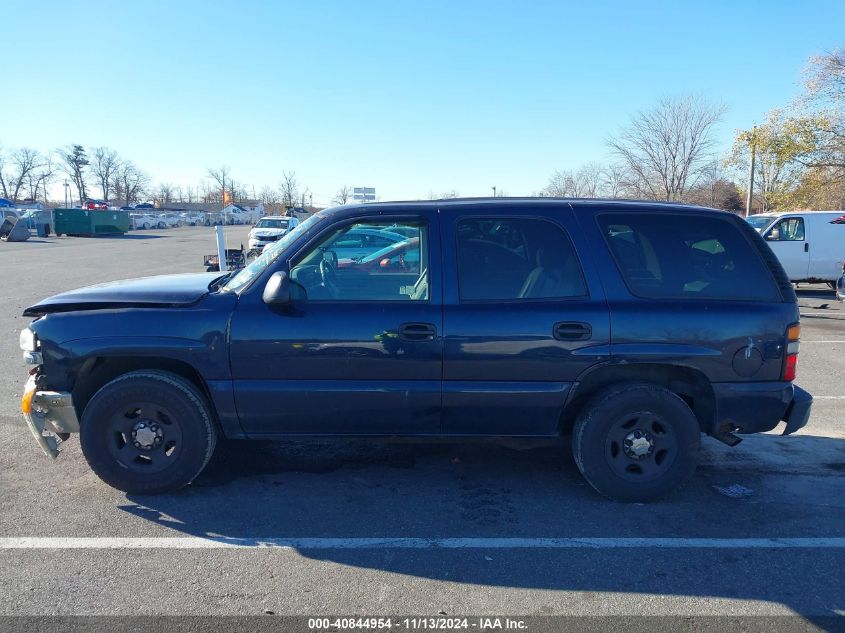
755	407
798	413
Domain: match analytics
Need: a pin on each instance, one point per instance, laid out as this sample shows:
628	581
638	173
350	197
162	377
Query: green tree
74	162
778	144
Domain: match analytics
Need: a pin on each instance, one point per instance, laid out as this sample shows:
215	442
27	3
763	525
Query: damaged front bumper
50	416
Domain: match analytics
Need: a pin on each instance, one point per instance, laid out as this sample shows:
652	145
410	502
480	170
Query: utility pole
494	190
751	141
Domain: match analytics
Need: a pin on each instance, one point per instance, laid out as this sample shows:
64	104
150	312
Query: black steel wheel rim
641	447
144	437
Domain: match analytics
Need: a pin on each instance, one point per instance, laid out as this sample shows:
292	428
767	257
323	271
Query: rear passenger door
524	315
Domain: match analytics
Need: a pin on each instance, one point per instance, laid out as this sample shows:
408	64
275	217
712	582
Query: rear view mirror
277	290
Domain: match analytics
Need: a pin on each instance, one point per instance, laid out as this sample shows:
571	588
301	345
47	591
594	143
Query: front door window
366	261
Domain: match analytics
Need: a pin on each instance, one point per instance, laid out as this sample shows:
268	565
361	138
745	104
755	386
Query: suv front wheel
636	441
147	432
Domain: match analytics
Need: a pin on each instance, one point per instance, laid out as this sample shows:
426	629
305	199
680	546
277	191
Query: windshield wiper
217	283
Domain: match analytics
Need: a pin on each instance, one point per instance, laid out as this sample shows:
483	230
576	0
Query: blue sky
407	97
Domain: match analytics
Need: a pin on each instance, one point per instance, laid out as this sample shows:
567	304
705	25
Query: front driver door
788	242
359	349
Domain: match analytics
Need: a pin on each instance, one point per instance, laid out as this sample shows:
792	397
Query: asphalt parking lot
453	528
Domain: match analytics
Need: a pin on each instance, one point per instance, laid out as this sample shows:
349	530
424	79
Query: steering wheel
328	273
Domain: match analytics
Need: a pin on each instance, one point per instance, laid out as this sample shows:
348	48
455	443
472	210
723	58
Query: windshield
272	224
760	222
245	275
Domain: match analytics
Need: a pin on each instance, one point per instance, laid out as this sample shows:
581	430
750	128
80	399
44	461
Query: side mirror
277	290
773	235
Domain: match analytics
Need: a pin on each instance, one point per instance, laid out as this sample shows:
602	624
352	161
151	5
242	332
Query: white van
809	244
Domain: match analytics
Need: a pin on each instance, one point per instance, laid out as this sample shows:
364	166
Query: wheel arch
97	371
688	383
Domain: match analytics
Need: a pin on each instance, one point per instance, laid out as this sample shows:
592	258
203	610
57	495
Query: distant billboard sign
364	193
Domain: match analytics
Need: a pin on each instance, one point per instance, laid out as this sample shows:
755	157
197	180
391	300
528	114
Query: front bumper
263	240
50	416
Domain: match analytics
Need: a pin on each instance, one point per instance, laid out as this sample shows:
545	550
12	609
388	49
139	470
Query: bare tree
343	195
560	185
41	177
129	182
74	162
268	195
23	162
289	188
220	176
164	195
614	181
824	126
104	164
664	148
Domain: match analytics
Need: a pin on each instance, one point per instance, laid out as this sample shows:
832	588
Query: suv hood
161	291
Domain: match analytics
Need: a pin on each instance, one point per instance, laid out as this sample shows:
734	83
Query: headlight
27	340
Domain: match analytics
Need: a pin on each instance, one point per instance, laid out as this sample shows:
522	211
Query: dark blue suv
631	327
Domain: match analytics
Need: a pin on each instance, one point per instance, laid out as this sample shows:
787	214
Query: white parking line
803	340
197	542
828	397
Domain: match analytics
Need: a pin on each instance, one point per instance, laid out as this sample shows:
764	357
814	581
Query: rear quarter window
662	256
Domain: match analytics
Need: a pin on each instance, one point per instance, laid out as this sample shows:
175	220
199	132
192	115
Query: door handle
417	332
572	331
806	247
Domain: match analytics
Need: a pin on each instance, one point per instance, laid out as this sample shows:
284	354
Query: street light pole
494	190
751	141
67	186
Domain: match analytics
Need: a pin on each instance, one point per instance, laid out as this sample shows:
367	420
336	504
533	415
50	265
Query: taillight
793	344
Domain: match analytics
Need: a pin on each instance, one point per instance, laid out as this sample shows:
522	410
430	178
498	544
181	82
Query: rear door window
502	259
686	256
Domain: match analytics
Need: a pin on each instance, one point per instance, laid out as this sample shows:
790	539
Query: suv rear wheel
147	432
636	442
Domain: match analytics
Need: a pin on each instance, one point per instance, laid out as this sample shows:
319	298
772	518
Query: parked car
144	205
143	220
632	328
269	229
96	205
35	217
168	220
809	244
189	218
840	284
400	257
407	231
360	241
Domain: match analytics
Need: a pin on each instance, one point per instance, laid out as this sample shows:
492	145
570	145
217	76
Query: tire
618	424
146	225
172	414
